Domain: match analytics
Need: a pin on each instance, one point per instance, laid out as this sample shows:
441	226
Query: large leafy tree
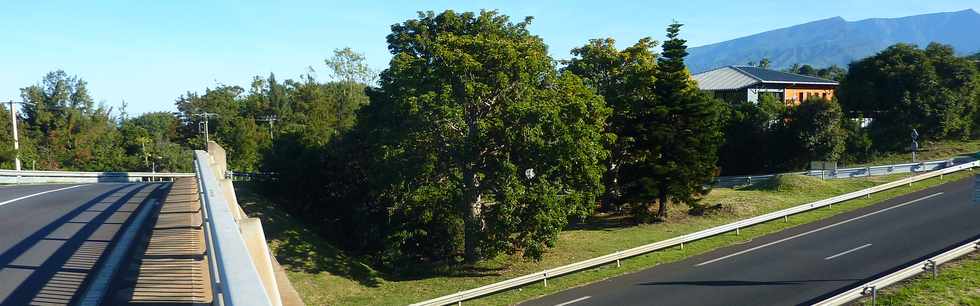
626	80
814	133
351	71
481	146
904	87
678	136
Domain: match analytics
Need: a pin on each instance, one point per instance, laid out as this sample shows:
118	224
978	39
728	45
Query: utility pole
13	123
915	143
142	141
206	115
271	120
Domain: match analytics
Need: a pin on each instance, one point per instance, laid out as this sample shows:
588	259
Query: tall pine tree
678	136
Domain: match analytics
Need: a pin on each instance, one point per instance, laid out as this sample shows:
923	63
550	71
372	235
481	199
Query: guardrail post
546	279
931	266
873	291
738	231
785	218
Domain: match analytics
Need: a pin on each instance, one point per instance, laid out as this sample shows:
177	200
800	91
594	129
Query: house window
801	97
778	96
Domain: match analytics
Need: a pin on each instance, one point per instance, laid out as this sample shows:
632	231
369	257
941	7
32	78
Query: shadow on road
731	283
53	263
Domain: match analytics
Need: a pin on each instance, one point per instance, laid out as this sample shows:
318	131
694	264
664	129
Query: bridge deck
172	269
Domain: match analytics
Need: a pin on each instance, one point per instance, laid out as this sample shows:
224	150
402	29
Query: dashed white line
847	252
817	230
37	194
574	301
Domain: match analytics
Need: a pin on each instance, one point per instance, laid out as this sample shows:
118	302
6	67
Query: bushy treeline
899	89
61	128
477	143
770	136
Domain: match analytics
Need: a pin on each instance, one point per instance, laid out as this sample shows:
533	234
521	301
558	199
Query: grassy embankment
958	284
324	275
929	151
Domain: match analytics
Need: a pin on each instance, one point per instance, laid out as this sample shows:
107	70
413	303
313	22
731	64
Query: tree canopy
485	145
626	80
904	87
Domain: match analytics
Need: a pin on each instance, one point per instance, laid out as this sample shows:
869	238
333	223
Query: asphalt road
52	237
803	264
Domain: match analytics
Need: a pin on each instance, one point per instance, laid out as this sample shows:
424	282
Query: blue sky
150	52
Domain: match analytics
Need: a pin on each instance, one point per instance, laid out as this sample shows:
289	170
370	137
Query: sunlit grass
958	283
323	275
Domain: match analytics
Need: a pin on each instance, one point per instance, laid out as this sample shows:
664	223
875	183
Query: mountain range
835	41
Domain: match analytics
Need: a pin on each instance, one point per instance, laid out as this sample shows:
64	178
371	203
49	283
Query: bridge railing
241	266
615	257
37	177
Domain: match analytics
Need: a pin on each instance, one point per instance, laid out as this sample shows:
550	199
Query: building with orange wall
747	83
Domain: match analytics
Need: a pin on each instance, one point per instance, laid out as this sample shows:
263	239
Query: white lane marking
817	230
573	301
847	252
37	194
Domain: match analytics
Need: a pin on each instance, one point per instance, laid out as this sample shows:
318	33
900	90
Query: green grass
324	275
958	283
930	150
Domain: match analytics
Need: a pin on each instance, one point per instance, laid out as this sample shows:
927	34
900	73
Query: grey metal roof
723	78
736	77
773	76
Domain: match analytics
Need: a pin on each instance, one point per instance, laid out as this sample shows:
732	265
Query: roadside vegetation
957	284
325	275
476	156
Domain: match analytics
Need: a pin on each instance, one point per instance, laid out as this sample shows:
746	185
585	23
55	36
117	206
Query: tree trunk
470	208
662	211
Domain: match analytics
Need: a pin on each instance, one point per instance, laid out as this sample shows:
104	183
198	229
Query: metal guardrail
27	177
237	277
679	241
734	181
870	289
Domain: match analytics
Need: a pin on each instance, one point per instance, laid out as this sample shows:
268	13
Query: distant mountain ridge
835	41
